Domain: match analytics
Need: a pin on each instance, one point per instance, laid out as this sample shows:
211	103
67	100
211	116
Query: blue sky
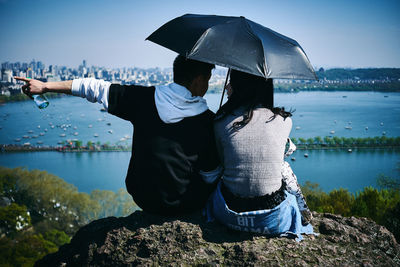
112	33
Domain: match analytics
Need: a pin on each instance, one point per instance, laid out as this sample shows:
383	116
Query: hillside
147	240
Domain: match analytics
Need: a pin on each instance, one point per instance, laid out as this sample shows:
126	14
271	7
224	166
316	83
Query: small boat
381	123
75	127
17	139
25	136
332	132
306	155
349	150
39	142
298	128
383	133
38	126
349	122
293	159
30	131
90	126
100	119
122	139
345	96
110	131
96	135
27	144
385	96
82	115
45	130
35	136
366	128
348	128
62	135
52	126
103	110
76	133
127	136
41	134
60	142
335	121
109	123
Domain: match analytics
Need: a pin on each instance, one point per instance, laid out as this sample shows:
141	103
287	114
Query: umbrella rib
265	68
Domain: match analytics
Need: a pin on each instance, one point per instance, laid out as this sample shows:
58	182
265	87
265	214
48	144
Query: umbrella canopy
237	43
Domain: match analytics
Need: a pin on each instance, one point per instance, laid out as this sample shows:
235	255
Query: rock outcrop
143	239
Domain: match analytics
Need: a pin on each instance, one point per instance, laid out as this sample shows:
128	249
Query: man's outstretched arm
92	89
36	87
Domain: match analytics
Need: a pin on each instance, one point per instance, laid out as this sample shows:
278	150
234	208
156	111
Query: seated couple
184	158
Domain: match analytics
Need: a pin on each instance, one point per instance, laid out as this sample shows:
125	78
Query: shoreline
4	148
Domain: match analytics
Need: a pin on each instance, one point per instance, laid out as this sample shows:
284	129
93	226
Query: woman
251	137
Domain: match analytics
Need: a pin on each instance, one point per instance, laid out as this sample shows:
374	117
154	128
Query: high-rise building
40	65
30	73
5	65
84	63
7	76
52	69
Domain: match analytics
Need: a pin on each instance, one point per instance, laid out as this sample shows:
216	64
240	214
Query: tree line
40	212
346	142
379	204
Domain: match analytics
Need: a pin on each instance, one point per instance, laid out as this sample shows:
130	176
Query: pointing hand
32	86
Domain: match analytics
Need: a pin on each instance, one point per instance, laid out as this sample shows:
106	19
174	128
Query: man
173	147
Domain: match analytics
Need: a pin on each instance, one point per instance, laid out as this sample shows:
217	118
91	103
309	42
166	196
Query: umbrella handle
223	90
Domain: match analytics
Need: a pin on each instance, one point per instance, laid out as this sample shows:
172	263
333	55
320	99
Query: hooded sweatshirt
172	144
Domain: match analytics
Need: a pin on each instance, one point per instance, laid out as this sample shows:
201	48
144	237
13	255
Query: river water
316	114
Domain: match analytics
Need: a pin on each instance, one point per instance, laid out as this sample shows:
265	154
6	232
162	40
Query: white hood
174	103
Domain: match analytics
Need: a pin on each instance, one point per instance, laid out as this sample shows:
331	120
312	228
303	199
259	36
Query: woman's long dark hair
250	91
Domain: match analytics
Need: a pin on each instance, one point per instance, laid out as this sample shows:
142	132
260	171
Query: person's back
163	175
251	136
252	155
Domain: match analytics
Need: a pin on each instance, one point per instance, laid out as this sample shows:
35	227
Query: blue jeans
283	220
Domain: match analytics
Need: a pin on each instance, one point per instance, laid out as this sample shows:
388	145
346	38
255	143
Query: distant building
7	76
30	73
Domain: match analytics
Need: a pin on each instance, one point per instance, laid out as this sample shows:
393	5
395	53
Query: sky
112	33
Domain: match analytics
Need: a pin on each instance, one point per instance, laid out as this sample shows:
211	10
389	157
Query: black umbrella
237	43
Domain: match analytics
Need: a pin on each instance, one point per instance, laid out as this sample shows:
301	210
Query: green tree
341	201
25	250
57	237
328	141
310	141
14	218
89	144
302	141
318	140
78	143
337	141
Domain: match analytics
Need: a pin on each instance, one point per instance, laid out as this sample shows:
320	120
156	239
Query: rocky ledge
148	240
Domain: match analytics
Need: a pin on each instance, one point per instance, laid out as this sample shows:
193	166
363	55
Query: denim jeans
283	220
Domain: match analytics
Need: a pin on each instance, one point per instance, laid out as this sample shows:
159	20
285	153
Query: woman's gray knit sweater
252	156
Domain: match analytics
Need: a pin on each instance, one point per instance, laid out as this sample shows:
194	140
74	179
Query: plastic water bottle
40	101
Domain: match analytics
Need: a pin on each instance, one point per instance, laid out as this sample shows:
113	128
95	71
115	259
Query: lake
106	170
316	114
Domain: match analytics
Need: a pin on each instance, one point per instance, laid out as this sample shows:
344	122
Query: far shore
30	148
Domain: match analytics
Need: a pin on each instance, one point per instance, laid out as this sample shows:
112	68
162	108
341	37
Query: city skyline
356	34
